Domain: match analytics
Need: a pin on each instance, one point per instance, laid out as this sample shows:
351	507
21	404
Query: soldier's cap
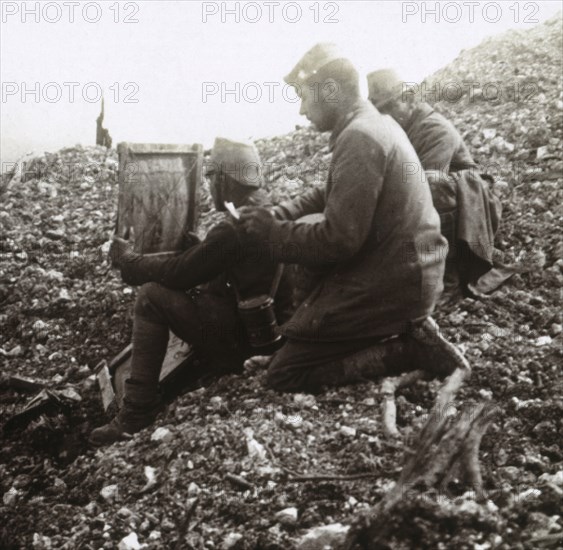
313	61
384	86
238	159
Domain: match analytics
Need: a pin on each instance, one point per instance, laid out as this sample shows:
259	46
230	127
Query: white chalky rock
287	516
41	542
543	341
163	435
130	542
10	497
193	489
347	431
230	540
324	537
304	400
255	449
109	492
556	478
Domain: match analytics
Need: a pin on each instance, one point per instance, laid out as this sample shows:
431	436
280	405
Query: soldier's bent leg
157	310
308	366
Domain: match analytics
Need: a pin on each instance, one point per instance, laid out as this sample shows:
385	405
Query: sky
188	71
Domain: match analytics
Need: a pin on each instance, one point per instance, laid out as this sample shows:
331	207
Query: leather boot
140	409
433	352
388	358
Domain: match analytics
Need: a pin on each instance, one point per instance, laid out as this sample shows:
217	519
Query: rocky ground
63	309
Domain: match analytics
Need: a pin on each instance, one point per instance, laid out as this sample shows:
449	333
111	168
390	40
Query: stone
55	235
10	497
162	435
59	485
130	542
15	352
321	538
347	431
230	540
109	492
304	400
542	152
543	341
41	542
556	478
193	489
288	516
255	449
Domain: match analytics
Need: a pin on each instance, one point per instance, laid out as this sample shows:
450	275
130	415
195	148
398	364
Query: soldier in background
469	212
378	245
196	293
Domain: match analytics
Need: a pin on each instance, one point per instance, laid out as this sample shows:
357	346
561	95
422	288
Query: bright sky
170	53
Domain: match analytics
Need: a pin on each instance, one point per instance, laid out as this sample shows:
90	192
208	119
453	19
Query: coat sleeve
355	181
311	202
199	264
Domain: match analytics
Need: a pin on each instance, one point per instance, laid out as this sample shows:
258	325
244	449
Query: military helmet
384	85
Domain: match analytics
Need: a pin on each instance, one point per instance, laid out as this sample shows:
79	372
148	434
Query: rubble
63	308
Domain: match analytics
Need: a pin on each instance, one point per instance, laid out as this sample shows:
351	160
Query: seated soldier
206	316
469	212
377	249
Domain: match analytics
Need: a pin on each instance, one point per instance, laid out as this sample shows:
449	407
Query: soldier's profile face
313	105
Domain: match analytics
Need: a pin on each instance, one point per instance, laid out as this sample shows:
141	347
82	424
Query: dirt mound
63	309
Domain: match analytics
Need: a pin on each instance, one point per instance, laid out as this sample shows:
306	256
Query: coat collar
422	111
345	119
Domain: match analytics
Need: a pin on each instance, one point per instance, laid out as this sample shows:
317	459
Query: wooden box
158	194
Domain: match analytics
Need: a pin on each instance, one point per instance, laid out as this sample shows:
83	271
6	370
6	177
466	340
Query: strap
276	281
273	288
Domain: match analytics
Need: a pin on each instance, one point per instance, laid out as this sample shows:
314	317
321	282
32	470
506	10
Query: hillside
63	309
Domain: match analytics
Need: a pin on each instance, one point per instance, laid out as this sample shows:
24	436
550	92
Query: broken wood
239	482
447	443
25	384
106	387
102	134
389	408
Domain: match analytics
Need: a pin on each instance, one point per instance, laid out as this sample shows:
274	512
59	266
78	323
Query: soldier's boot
433	352
388	358
140	408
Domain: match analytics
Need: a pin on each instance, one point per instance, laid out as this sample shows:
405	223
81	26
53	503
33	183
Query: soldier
469	212
236	265
379	244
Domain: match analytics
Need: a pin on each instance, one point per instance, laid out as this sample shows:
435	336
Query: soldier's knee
147	296
283	378
278	377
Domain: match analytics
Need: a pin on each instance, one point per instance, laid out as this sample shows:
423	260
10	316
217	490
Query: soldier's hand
121	250
257	222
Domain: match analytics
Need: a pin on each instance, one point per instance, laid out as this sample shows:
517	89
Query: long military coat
379	244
